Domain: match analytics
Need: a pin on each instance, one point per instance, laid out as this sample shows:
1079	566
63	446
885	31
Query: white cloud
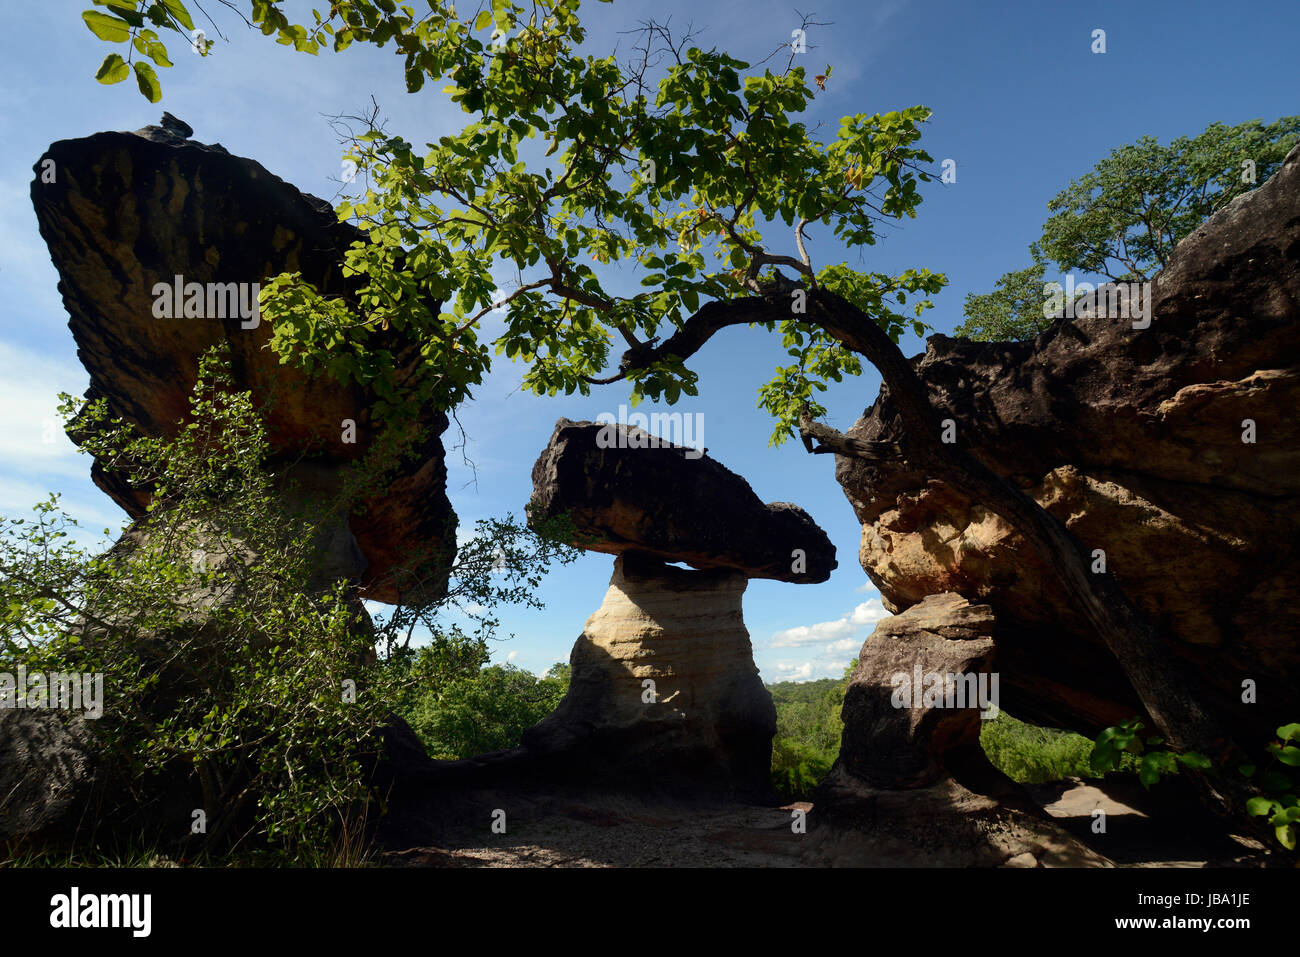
512	656
841	630
31	432
803	672
843	645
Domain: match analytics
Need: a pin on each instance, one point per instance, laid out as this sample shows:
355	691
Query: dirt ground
614	832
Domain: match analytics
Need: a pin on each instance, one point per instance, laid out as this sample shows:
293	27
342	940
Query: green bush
808	730
488	710
1032	755
232	672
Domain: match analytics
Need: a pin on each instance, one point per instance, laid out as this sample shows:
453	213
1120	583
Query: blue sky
1019	101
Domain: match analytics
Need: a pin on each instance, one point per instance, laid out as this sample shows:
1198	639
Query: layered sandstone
664	692
623	494
125	212
1173	450
664	688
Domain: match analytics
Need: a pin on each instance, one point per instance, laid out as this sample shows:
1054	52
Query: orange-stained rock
126	211
1133	438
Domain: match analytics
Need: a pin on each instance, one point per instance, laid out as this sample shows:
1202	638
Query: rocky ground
623	832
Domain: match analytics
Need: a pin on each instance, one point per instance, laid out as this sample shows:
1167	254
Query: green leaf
155	51
1259	805
1286	836
147	80
112	29
177	9
112	70
1196	761
483	20
1288	731
1149	770
1289	755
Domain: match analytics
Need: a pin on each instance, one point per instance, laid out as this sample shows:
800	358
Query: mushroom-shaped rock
664	690
625	490
161	244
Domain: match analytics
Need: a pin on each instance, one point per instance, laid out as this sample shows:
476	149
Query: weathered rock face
911	781
1137	439
706	725
671	502
45	773
904	722
705	720
122	212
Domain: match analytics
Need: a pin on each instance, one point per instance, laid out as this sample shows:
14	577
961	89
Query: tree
686	163
229	668
1013	310
1124	217
485	711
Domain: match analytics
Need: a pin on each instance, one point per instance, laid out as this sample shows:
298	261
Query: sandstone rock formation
664	689
122	212
704	717
670	502
1174	449
896	736
911	783
45	772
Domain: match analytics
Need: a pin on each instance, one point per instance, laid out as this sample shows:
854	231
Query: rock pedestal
664	692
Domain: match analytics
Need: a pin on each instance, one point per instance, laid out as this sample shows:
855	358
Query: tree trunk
1160	684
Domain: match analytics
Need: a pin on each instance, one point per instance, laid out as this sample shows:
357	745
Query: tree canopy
1123	218
684	162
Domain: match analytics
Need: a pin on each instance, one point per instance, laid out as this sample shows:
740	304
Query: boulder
623	494
45	773
123	212
916	700
1172	450
911	783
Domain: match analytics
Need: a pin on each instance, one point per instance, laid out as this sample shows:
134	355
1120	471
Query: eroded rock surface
1133	438
926	658
911	783
664	689
671	502
122	212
